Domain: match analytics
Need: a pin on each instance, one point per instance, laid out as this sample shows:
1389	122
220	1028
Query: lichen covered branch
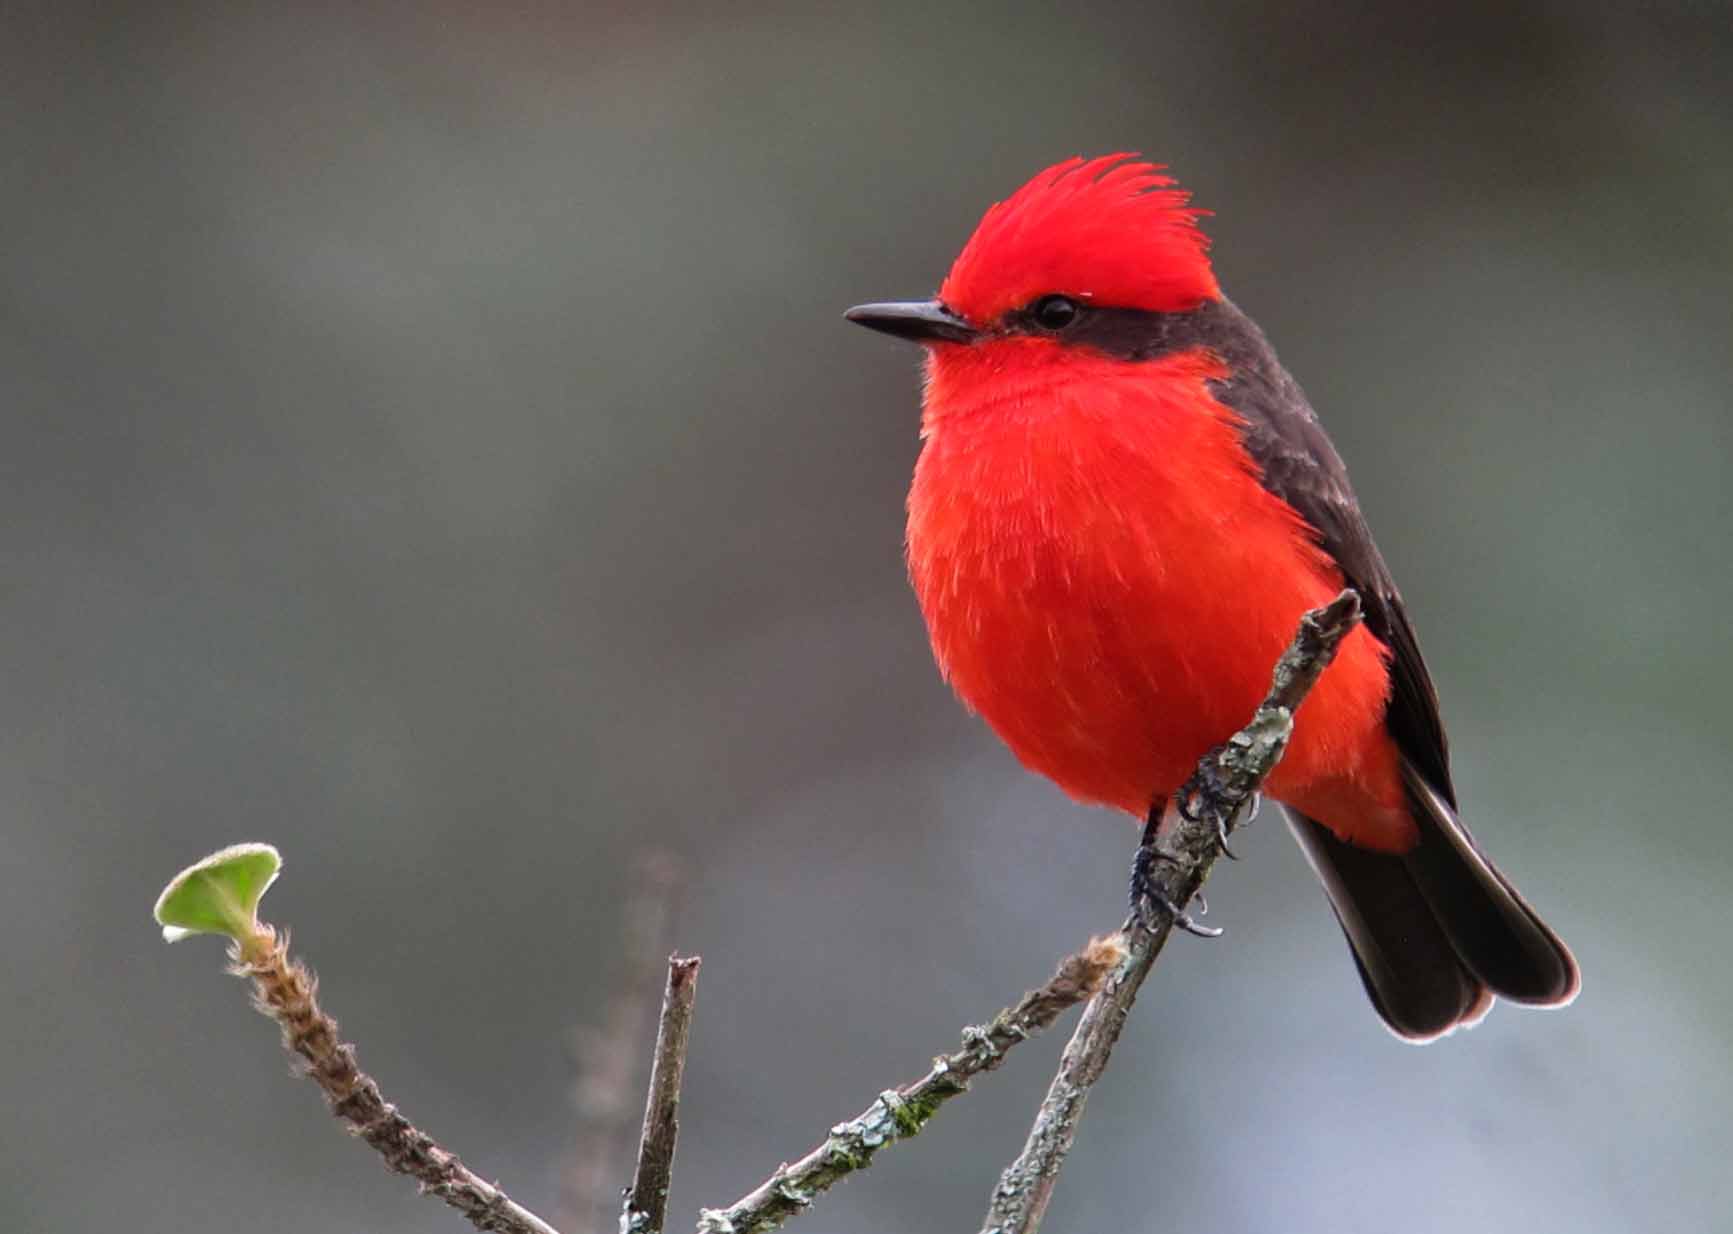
220	895
1187	845
900	1113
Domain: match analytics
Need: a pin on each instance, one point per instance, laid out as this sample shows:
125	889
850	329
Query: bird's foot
1207	797
1147	897
1204	792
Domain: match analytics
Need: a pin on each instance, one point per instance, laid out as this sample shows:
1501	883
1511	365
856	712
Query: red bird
1122	507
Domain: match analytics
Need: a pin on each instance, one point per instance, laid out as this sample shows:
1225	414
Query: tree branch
900	1113
609	1054
285	991
220	895
646	1205
1186	846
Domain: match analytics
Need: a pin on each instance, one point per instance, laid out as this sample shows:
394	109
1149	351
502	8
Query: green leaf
219	895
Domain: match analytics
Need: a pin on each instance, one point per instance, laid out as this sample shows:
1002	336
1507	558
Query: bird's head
1084	236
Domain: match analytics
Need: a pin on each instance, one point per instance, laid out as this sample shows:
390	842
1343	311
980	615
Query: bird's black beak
924	321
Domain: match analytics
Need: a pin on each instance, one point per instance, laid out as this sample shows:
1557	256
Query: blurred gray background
429	442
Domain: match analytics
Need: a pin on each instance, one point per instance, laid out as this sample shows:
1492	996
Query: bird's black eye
1054	312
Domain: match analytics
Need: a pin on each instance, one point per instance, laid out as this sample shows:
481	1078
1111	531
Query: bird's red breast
1108	584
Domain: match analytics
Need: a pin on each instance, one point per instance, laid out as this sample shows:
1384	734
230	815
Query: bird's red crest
1113	231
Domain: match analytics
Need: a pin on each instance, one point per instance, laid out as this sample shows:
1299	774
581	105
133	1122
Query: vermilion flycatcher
1122	507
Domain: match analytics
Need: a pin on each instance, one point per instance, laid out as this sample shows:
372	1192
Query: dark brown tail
1437	931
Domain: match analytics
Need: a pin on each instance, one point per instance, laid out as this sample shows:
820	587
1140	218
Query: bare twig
287	992
900	1113
1108	973
610	1055
1187	846
646	1204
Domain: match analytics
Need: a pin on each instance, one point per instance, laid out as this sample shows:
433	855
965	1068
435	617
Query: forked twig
220	895
900	1113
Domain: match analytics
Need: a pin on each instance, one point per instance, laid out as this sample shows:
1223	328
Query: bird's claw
1203	791
1182	919
1201	797
1222	840
1146	896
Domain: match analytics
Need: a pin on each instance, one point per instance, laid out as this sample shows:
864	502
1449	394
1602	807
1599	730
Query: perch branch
1186	845
1108	972
287	992
609	1055
900	1113
646	1203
